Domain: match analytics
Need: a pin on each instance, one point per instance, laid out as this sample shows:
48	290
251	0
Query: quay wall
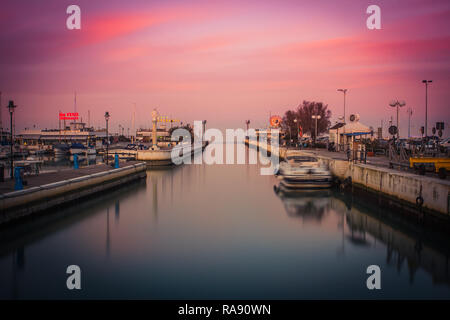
25	202
403	186
267	147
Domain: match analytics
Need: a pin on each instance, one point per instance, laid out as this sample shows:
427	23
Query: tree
289	126
303	114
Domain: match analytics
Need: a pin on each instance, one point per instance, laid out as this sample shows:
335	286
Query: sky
223	61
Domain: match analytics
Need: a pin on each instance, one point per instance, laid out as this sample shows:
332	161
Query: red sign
68	116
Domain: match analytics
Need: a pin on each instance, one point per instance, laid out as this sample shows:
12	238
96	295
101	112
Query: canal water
221	232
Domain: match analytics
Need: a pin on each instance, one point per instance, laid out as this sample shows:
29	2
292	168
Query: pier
53	189
414	192
418	192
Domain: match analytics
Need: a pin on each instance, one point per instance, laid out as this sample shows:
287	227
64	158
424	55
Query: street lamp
107	116
396	104
296	126
426	105
316	117
410	112
11	108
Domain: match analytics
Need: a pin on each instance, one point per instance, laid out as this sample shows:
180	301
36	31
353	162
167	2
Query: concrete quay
428	194
49	190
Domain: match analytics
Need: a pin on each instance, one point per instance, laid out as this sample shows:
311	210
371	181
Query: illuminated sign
275	121
68	116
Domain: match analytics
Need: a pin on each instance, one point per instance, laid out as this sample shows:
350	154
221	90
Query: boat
78	148
129	152
302	171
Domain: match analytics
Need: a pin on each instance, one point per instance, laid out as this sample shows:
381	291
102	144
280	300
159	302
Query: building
76	132
343	135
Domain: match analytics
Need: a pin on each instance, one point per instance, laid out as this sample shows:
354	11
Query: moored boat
301	171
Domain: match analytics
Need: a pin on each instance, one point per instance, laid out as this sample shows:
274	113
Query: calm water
220	231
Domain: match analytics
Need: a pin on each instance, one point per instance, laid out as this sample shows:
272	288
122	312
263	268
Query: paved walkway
60	175
380	161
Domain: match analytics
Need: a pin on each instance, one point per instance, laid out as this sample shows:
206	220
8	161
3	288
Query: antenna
75	102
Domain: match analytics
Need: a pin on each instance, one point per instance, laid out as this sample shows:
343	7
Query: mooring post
75	161
116	161
17	176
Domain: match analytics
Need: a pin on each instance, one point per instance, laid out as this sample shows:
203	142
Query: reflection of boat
307	204
82	157
78	148
300	171
60	149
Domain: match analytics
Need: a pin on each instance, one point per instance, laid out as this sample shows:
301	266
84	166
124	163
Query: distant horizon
224	61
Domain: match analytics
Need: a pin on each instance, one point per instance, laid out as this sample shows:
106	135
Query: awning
357	133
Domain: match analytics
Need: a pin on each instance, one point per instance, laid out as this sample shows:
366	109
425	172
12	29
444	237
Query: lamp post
11	108
316	117
107	116
426	105
396	104
296	126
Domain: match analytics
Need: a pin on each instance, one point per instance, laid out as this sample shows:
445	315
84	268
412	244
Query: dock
422	193
49	190
416	193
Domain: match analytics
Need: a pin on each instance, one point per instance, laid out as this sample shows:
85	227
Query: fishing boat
302	171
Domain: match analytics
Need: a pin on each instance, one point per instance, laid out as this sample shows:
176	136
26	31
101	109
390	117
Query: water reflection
199	231
365	230
308	205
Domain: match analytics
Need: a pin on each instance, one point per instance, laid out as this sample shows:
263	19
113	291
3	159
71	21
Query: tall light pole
316	117
409	110
296	127
426	105
107	116
1	122
396	104
11	108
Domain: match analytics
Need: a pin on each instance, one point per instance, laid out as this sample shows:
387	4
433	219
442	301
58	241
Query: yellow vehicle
438	165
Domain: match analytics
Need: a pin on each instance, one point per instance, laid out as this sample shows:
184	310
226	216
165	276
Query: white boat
129	152
302	171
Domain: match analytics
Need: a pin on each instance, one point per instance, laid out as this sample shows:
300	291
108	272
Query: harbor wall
267	147
25	202
403	186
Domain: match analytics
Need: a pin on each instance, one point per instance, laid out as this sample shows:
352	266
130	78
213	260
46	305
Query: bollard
17	176
75	161
116	161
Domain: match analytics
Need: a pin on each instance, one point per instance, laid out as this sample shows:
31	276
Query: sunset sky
223	61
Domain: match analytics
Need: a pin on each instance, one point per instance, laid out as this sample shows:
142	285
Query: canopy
357	133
